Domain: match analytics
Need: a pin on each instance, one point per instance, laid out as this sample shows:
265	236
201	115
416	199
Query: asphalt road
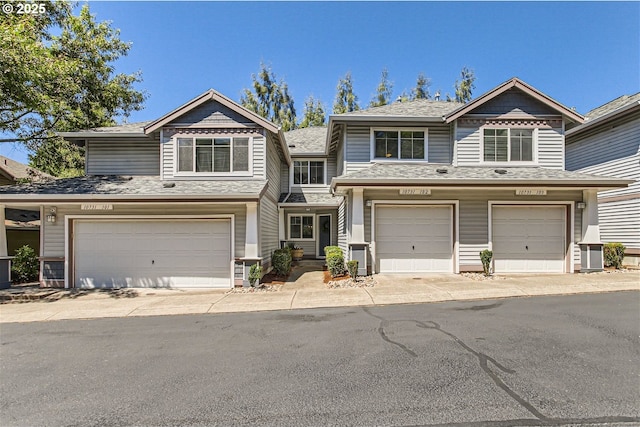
569	360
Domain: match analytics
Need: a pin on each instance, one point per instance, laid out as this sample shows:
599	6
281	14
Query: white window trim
309	159
210	174
313	227
534	148
372	147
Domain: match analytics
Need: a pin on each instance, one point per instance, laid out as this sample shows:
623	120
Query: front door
324	238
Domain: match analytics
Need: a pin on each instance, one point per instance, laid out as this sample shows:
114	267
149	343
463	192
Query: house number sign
530	192
97	207
415	192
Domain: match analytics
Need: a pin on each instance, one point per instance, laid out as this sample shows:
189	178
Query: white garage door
414	239
175	253
529	239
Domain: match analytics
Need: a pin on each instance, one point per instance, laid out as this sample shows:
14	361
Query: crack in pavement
483	359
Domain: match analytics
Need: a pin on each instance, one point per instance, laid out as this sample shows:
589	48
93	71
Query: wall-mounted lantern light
51	216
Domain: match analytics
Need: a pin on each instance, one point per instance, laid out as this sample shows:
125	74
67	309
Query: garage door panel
414	239
140	253
529	239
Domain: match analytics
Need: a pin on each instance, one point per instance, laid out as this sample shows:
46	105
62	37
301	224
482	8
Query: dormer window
213	155
399	144
508	145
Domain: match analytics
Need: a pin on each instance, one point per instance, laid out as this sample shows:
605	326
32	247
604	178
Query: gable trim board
416	265
509	258
71	240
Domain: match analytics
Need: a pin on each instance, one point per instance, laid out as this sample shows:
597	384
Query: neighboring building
194	198
608	143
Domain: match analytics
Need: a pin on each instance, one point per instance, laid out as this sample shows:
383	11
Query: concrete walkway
307	290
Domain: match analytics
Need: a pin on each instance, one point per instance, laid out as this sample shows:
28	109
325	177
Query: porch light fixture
581	205
368	203
51	216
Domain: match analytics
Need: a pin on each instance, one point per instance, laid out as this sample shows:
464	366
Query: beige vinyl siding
268	220
211	113
468	146
440	150
358	151
551	148
474	215
54	233
123	157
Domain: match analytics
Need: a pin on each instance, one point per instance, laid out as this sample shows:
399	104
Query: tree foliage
270	99
383	91
57	74
421	91
58	157
346	100
465	85
313	113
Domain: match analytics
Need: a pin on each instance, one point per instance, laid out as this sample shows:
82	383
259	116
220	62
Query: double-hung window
308	172
301	227
508	145
213	155
400	144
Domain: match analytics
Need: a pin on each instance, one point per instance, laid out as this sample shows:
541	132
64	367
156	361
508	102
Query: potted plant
296	251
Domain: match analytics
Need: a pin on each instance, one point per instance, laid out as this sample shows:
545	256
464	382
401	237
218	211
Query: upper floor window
400	144
508	145
213	155
308	172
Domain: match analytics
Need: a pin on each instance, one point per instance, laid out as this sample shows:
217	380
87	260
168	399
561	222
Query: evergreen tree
346	101
383	92
421	91
313	113
465	85
270	99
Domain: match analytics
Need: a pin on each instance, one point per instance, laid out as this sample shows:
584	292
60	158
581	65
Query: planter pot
297	254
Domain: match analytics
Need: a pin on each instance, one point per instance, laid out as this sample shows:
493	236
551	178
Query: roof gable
193	109
515	83
14	171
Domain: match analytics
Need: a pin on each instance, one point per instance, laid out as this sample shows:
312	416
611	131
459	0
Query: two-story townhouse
428	185
308	211
608	143
195	197
187	200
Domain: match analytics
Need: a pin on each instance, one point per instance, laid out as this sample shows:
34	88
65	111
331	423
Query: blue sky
583	54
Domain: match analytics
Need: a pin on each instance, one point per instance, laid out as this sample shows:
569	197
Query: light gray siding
123	157
612	149
551	148
269	204
168	157
342	228
474	216
284	177
310	246
468	146
211	113
339	160
54	234
358	149
440	149
331	166
259	157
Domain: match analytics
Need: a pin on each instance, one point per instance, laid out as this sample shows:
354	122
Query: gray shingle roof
416	108
407	174
311	198
309	140
16	170
612	106
136	186
124	128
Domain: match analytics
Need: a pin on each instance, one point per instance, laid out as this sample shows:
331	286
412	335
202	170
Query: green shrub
255	274
335	264
332	249
485	257
352	266
281	261
25	265
613	254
